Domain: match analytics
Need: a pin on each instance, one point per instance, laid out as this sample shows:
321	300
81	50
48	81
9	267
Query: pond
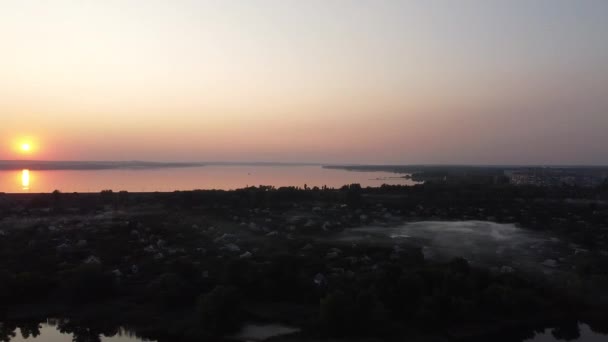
570	331
54	330
578	333
259	332
62	331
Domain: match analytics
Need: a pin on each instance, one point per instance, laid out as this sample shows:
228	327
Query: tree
353	194
568	331
30	329
7	331
219	310
336	313
87	282
169	289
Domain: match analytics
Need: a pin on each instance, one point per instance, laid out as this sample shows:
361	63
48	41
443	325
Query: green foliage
219	310
7	281
336	313
370	314
7	332
568	331
460	265
429	311
170	290
341	314
30	329
87	283
30	286
366	290
353	194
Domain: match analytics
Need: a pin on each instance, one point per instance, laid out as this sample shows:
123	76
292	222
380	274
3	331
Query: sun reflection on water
25	179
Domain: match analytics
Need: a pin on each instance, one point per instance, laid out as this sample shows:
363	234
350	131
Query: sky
331	81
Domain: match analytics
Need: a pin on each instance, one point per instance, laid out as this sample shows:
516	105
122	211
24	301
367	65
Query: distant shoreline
8	165
41	165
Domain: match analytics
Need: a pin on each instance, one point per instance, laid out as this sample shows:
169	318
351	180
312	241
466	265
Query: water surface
579	333
225	177
51	332
259	332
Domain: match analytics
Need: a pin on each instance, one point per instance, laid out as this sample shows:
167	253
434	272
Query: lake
224	177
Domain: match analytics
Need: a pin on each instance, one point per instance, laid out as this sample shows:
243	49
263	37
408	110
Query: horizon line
7	162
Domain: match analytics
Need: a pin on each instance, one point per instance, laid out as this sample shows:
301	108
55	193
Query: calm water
62	331
49	332
583	334
257	332
170	179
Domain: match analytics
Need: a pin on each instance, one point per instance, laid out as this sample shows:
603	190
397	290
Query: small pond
259	332
577	333
62	331
59	330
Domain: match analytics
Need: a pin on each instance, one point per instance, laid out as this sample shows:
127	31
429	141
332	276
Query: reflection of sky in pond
256	332
50	333
586	335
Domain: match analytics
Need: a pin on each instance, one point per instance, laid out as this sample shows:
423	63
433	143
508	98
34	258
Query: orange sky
314	81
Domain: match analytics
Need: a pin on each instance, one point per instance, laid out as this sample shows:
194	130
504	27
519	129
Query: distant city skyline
382	82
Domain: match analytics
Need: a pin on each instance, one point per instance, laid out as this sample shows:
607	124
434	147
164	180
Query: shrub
169	289
87	283
219	310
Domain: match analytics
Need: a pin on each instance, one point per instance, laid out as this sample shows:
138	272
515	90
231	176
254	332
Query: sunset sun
25	146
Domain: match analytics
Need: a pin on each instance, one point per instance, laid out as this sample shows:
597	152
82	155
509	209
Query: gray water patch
261	332
584	332
49	332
